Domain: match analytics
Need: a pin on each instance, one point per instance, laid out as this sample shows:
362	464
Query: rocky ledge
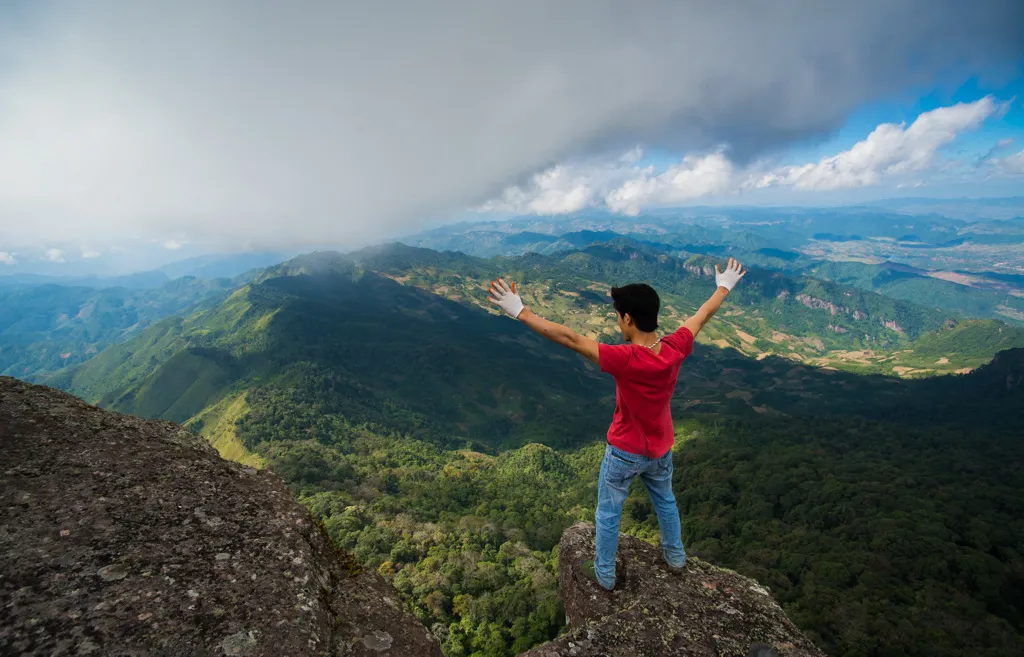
705	611
120	536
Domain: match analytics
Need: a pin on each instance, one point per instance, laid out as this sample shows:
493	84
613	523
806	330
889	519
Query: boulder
121	536
704	611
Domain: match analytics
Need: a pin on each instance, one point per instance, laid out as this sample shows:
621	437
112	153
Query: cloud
1011	164
889	149
89	254
7	258
567	187
54	255
173	245
694	177
890	152
288	123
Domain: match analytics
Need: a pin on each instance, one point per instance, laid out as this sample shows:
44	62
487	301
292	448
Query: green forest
877	538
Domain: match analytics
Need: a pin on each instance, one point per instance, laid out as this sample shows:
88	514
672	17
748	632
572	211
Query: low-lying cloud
289	123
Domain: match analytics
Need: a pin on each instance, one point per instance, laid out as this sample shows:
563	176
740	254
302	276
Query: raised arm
726	281
508	300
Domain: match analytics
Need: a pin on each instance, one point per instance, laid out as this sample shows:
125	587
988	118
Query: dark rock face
706	611
120	536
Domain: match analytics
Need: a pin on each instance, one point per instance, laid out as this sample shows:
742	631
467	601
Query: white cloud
890	149
7	258
1011	164
295	122
54	255
89	254
555	191
696	176
173	245
566	188
890	152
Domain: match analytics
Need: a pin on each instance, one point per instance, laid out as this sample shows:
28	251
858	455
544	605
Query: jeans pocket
620	459
618	467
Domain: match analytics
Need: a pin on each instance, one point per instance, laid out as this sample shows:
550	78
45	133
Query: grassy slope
217	423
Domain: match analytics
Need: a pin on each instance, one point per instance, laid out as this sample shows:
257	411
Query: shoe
587	568
675	570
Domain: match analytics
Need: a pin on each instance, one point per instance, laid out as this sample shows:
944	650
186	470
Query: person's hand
506	298
731	276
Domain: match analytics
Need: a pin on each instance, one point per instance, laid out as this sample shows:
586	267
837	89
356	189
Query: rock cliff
120	536
706	611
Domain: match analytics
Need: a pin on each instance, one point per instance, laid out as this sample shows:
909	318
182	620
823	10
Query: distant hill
222	265
141	280
778	239
962	208
46	327
913	284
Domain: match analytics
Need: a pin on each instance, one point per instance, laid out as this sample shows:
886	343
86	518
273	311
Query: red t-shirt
644	383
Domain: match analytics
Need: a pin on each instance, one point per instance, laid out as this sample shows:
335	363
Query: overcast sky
271	124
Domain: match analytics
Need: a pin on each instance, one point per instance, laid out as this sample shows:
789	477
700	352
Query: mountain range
826	443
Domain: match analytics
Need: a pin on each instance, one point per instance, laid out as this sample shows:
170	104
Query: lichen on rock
704	611
125	536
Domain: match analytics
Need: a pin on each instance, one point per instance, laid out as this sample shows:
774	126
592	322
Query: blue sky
866	118
997	136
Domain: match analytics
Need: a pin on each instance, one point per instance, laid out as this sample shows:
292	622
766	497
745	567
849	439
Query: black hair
640	302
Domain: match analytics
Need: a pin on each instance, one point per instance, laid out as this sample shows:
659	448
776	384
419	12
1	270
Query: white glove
731	276
506	298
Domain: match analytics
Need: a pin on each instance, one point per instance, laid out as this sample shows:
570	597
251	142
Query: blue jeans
617	471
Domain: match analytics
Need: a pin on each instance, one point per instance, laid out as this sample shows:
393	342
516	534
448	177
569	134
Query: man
641	434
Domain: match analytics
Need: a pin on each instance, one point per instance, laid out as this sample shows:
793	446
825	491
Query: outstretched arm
508	300
726	281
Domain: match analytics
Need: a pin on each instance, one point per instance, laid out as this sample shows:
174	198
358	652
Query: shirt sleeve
613	358
681	341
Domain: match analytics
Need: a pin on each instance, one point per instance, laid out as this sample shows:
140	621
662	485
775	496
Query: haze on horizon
319	122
